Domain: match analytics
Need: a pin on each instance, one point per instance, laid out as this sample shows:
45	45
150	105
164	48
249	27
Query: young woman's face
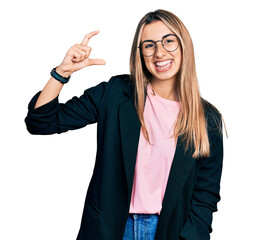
159	63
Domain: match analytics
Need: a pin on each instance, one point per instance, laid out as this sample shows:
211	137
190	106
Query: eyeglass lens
170	43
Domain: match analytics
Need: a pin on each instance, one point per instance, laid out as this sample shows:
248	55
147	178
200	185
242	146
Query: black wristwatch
58	77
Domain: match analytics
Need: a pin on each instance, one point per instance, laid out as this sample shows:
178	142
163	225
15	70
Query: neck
165	89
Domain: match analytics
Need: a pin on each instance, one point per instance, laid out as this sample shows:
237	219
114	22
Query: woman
159	144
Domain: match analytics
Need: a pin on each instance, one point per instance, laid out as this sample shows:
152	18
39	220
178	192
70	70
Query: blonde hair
191	121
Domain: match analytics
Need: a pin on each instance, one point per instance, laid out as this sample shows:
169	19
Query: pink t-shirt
153	163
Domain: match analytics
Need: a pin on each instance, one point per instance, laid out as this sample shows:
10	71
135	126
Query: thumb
95	62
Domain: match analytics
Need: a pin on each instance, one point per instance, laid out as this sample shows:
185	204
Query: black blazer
193	185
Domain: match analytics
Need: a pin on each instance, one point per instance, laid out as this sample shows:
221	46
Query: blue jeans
141	226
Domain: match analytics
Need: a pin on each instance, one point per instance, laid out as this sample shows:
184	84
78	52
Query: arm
51	90
55	117
47	116
76	58
206	189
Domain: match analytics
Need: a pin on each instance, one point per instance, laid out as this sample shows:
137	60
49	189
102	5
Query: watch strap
58	77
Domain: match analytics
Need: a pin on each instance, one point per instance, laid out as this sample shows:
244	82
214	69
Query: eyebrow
159	39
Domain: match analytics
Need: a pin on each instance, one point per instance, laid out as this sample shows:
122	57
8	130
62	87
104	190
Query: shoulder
213	116
120	81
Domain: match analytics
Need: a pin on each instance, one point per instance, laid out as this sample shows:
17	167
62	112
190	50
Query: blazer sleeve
207	186
55	117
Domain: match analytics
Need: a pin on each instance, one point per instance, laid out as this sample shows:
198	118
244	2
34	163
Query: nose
160	51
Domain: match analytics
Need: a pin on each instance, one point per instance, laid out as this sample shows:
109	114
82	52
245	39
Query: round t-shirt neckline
164	100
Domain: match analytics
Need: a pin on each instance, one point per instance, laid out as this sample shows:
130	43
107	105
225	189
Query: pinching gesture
77	57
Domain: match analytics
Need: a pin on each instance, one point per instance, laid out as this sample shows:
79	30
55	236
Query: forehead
154	31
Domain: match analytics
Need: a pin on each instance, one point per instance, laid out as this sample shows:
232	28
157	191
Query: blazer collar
129	89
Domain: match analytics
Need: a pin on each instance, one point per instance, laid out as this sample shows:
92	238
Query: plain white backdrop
43	179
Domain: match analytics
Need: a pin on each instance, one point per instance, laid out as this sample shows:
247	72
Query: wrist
61	72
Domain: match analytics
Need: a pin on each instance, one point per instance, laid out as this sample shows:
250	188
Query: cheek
148	63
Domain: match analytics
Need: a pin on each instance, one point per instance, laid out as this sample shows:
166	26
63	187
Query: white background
43	179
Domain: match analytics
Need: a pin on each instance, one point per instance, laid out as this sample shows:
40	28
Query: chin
163	76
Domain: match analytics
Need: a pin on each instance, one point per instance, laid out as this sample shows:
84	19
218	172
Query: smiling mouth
163	66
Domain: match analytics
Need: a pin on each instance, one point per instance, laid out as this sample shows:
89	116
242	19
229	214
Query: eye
168	41
149	45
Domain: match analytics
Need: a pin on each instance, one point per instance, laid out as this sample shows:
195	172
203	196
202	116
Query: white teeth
164	63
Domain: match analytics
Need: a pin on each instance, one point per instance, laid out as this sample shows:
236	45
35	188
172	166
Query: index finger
88	36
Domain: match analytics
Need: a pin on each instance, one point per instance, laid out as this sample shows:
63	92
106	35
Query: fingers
89	62
80	52
88	36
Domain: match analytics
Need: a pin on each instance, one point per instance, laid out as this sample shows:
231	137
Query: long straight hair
191	122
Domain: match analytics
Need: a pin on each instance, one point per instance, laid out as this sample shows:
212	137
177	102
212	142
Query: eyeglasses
170	43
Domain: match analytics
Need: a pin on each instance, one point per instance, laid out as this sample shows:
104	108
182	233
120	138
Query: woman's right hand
77	57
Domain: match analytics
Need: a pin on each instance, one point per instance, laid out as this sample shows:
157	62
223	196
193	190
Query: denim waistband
143	215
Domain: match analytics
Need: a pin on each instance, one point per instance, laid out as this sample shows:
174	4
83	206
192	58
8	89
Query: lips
163	65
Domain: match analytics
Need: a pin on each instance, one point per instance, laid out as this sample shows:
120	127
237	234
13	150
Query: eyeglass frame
161	42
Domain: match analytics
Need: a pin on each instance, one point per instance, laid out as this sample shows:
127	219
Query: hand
77	57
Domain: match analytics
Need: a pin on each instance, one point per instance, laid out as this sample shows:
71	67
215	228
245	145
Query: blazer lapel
130	132
181	167
182	162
